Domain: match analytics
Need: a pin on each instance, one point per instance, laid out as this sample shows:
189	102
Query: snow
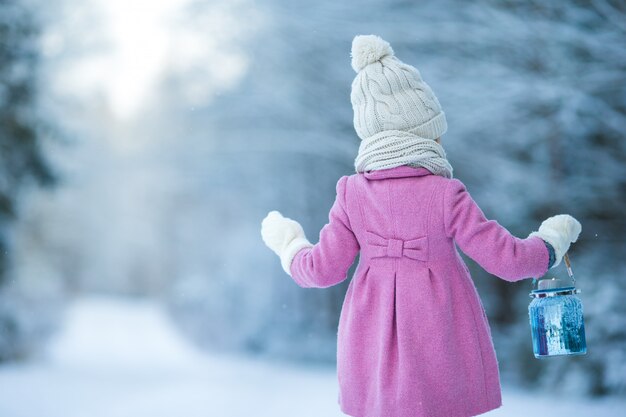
124	358
118	358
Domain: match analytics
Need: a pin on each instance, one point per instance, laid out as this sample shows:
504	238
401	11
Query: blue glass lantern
556	317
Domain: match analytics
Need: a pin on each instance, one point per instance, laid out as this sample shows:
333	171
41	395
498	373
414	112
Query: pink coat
413	336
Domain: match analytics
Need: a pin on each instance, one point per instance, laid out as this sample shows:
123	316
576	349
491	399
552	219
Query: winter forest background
142	142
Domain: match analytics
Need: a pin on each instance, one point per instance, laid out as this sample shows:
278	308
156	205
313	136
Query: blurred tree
563	137
21	157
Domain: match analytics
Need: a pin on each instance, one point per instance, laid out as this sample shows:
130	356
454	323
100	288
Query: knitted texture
388	94
392	148
413	337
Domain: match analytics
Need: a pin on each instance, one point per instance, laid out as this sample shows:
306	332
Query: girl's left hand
284	236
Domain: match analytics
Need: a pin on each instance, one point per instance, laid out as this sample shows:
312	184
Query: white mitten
559	231
284	236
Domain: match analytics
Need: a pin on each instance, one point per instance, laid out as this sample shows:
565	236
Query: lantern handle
569	268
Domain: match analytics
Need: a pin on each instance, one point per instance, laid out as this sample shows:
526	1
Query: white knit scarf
393	148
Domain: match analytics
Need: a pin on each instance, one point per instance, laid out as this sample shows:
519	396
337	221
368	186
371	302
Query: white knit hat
388	94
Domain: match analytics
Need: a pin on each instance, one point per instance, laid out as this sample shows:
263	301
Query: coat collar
397	172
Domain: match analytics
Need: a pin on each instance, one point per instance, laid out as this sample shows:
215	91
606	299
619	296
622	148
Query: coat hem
478	411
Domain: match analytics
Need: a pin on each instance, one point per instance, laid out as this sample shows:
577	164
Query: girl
413	337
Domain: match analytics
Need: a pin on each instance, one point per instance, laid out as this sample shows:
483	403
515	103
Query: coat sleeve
489	243
327	262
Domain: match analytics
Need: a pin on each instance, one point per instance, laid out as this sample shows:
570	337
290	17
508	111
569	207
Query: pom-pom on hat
367	49
388	94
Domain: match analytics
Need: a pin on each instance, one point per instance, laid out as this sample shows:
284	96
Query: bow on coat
379	247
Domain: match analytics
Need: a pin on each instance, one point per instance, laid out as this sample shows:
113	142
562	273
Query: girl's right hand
559	231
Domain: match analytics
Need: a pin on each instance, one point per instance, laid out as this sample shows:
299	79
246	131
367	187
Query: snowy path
117	358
